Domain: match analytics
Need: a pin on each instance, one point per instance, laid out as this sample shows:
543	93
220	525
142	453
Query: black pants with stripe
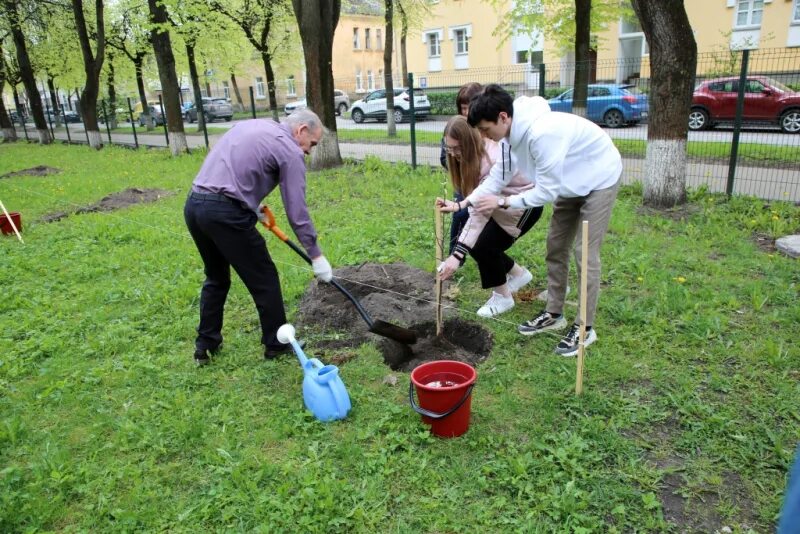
226	236
489	251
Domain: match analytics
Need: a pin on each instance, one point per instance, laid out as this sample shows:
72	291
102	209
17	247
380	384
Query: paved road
767	183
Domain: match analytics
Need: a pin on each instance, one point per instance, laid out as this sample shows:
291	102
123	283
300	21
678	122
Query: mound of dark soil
115	201
399	294
39	170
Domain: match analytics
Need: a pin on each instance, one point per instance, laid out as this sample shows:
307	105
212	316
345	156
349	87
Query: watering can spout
324	393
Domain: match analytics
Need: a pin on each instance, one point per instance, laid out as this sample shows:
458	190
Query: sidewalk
769	183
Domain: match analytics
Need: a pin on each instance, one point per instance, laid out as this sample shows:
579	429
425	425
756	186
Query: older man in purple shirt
251	160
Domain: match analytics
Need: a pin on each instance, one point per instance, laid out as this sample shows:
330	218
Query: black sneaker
270	353
542	323
568	346
201	356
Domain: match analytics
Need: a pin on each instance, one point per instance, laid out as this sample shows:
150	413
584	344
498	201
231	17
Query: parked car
373	106
214	108
765	101
137	109
608	104
69	116
157	113
341	103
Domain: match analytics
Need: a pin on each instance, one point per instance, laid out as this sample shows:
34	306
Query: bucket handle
436	415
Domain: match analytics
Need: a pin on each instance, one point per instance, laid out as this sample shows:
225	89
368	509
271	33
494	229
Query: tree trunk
9	132
138	63
403	38
170	90
111	111
54	105
26	73
236	92
92	65
198	95
317	20
673	60
583	12
273	101
387	68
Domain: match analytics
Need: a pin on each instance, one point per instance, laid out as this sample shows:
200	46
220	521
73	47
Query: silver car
341	101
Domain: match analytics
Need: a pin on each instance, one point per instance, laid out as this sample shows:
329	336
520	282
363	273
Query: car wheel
357	115
398	115
228	119
341	109
698	119
790	121
613	118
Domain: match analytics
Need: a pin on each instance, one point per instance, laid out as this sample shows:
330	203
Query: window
290	87
367	40
522	56
748	12
359	84
434	46
370	81
379	39
380	77
226	90
796	12
260	87
462	43
355	38
754	86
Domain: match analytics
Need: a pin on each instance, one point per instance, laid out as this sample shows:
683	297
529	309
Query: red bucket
444	388
5	224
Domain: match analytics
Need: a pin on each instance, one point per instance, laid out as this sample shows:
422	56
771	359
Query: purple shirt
252	159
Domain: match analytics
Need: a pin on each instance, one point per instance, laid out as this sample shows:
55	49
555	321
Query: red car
765	100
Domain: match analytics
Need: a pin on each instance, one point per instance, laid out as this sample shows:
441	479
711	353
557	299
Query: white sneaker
515	283
496	305
543	295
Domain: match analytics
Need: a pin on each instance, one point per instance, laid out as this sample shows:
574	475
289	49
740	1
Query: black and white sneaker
568	346
542	323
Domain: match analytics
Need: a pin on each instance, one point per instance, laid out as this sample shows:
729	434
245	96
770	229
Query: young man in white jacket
576	167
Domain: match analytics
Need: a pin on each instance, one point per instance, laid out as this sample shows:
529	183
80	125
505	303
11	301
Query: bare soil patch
39	170
764	242
398	294
678	213
112	202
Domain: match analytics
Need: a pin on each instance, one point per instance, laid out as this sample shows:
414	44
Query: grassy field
688	422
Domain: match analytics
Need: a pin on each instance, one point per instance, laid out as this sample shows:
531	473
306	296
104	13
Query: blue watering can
324	393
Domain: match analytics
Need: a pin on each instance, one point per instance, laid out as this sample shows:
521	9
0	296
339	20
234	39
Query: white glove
322	269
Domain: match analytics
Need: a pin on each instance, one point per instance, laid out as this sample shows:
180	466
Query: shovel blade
398	333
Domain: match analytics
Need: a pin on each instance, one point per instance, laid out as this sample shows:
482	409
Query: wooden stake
438	217
11	222
584	284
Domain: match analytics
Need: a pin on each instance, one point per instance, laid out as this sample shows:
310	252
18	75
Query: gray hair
305	117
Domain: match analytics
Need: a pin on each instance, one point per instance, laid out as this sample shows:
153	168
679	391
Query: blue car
611	105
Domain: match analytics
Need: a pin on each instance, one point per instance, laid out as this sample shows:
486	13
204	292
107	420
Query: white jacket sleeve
548	151
499	176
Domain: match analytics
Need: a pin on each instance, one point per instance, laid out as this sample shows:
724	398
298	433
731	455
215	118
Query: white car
341	101
373	106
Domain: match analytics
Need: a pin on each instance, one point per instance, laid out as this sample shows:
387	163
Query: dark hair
465	93
487	105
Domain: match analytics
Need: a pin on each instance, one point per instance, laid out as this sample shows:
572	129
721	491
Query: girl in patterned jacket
485	237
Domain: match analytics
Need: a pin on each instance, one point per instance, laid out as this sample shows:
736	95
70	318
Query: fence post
252	102
737	124
130	114
22	123
201	118
66	124
541	80
412	120
105	118
163	118
49	117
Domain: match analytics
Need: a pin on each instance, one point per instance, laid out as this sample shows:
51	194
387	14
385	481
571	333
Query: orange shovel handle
270	224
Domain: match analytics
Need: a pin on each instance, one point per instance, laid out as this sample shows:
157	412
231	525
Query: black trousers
489	251
226	236
457	223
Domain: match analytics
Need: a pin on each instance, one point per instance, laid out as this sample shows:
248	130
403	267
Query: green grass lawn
690	407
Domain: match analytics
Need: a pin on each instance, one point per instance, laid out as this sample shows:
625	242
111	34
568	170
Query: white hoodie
565	155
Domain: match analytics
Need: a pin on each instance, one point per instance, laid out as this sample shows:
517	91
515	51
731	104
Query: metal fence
742	142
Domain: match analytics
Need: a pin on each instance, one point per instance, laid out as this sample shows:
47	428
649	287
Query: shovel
382	328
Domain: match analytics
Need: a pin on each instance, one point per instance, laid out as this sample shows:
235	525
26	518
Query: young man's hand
485	204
